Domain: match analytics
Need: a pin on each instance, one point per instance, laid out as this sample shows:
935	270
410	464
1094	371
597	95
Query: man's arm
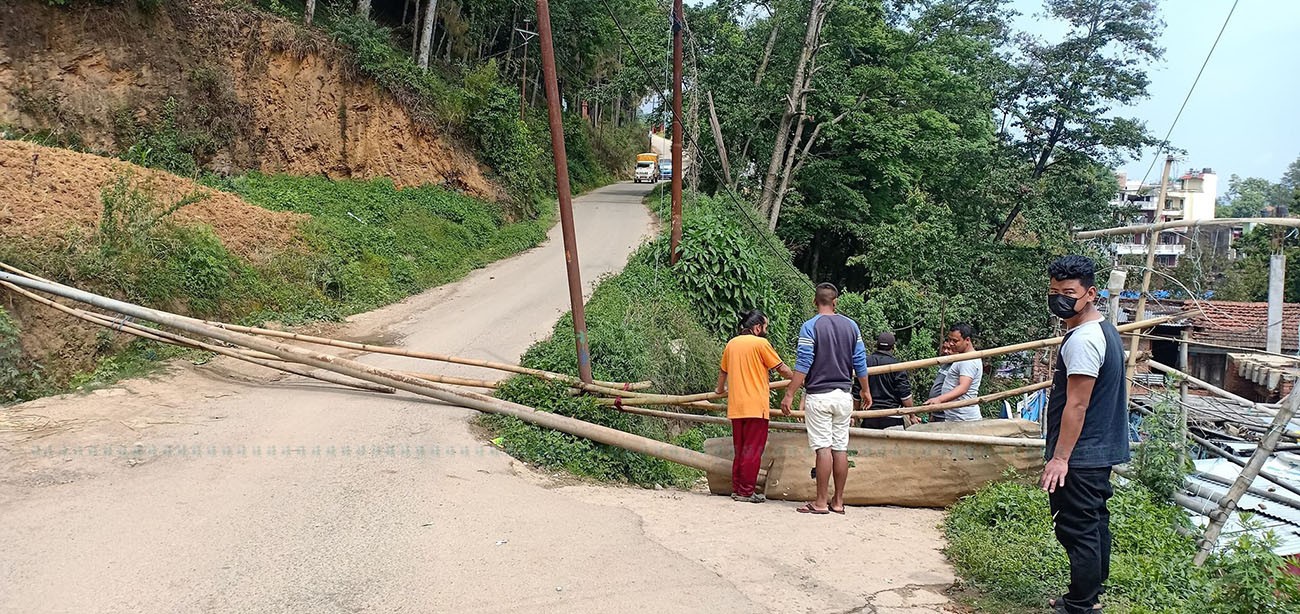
722	383
1078	391
785	371
963	384
796	382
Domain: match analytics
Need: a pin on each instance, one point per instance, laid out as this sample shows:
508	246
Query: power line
1165	142
744	210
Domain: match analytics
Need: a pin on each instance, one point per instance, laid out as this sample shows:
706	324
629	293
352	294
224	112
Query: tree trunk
788	167
309	12
767	51
798	89
363	8
717	139
426	32
406	10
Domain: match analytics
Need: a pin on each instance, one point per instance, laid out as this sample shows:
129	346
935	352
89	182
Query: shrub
1001	540
11	366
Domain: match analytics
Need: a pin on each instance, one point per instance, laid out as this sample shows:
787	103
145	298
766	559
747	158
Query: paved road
294	496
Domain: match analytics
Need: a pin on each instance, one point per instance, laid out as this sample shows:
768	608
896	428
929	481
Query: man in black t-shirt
1087	431
888	390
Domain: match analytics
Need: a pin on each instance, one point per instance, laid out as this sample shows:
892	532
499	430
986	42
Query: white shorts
827	416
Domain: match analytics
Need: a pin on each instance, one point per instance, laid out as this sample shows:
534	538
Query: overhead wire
1165	143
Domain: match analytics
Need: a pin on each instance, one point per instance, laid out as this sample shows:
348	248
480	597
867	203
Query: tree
426	33
363	8
309	12
1055	113
1249	197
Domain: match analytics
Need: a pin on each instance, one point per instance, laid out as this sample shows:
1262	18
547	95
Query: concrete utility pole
1276	275
563	191
1115	286
676	233
1153	239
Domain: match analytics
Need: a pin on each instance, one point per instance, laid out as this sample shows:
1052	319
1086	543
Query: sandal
1058	606
809	509
837	511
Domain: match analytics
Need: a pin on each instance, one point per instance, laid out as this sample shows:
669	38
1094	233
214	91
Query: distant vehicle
645	168
665	168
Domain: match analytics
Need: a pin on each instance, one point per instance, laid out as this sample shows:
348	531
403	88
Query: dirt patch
272	96
46	193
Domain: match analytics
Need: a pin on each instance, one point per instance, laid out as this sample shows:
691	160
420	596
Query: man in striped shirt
830	354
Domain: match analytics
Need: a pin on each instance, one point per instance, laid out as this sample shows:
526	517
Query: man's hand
911	419
866	399
1054	473
934	401
722	389
787	402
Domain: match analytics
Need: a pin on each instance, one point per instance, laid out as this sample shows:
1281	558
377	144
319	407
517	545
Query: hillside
244	89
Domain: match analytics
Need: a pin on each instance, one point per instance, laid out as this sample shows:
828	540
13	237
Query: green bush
425	95
11	359
1001	539
1156	463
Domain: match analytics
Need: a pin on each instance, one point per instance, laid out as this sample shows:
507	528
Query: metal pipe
676	232
1254	490
351	368
1214	449
563	191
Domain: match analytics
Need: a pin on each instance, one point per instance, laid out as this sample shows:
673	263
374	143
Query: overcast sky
1244	116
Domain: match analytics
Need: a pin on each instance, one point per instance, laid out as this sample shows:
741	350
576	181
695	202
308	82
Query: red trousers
749	437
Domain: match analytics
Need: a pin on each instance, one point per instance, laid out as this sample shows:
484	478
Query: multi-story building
1190	197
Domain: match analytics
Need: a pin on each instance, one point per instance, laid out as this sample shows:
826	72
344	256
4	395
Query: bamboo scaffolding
351	368
380	349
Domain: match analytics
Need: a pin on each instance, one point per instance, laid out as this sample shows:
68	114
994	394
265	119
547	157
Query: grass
366	244
1001	541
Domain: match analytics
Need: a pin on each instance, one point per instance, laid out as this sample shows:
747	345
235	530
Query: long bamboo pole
886	413
1262	452
382	349
1189	224
160	336
351	368
1202	384
1152	241
938	438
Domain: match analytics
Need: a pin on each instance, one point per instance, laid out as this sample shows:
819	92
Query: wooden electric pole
676	234
562	189
1153	239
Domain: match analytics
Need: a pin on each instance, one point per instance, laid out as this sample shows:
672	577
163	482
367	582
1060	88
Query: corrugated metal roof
1280	518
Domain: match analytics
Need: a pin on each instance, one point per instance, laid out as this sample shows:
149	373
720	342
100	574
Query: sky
1244	116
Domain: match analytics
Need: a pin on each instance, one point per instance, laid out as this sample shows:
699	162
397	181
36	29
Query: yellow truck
647	169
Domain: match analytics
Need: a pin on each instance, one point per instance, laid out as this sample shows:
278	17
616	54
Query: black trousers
1082	524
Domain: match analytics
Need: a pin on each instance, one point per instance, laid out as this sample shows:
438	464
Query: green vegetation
12	371
1001	540
365	244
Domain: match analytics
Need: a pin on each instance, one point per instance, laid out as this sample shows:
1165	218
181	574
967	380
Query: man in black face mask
1087	431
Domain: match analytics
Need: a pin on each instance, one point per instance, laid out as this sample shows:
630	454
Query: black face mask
1062	306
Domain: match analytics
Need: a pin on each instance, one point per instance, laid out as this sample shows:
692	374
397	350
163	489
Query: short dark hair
750	319
1074	266
962	329
826	293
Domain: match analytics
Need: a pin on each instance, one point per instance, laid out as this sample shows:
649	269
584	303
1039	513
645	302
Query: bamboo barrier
923	409
257	358
351	368
380	349
938	438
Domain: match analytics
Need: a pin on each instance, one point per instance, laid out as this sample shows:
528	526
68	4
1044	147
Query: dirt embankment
47	193
262	93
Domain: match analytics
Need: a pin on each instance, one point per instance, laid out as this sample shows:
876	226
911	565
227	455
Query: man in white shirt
962	379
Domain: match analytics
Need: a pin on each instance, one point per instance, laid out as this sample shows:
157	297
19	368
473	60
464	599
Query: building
1189	197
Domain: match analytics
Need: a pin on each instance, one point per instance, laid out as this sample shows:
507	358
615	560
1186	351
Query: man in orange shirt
746	362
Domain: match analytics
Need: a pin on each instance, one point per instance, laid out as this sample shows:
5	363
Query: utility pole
1115	286
676	235
1153	239
563	192
1276	278
523	72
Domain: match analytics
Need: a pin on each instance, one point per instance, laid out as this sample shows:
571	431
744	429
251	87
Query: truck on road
646	170
666	168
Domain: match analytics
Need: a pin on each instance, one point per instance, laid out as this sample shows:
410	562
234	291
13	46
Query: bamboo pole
938	438
1153	237
888	413
160	336
351	368
1183	361
1202	384
1244	479
1189	224
380	349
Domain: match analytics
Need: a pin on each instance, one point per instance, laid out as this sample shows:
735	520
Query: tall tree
426	33
309	12
800	87
363	8
1056	114
1249	197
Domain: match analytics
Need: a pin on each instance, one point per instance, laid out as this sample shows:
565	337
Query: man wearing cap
888	390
